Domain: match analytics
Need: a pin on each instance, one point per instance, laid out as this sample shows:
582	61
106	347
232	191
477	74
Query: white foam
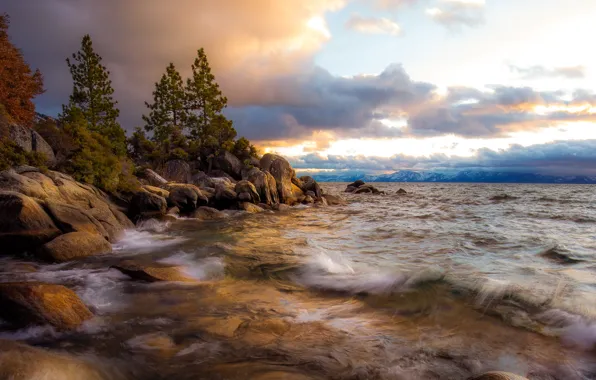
582	335
153	225
144	241
211	268
33	332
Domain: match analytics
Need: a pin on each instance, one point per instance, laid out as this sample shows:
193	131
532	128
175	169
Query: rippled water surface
443	283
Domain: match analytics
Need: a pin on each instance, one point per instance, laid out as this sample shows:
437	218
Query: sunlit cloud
454	14
373	25
541	72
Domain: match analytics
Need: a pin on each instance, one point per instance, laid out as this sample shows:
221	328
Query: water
448	281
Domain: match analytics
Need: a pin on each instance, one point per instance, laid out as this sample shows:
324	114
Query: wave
559	255
211	268
503	197
141	241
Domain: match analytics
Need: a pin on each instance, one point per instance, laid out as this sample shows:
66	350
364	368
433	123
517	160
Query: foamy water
445	282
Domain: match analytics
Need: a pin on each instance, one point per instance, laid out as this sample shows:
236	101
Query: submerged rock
24	225
153	272
401	192
333	200
74	245
208	213
25	303
250	208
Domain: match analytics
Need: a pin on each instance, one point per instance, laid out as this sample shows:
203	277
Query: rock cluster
360	187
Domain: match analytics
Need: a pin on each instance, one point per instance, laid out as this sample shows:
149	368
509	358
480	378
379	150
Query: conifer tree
92	95
205	103
168	110
18	85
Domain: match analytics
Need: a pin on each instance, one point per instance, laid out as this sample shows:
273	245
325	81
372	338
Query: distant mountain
469	176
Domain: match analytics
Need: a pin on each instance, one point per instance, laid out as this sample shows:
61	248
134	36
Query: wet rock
357	183
177	171
156	190
19	361
498	376
153	178
73	219
173	211
264	184
333	200
401	192
308	199
113	221
281	207
153	272
350	189
145	205
250	208
311	185
229	164
26	303
298	182
247	192
363	190
24	225
208	213
225	196
281	170
186	197
297	194
74	245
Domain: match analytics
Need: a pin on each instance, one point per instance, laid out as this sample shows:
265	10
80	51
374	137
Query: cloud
390	4
556	158
373	25
138	38
454	14
541	72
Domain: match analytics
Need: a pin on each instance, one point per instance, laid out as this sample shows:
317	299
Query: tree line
184	120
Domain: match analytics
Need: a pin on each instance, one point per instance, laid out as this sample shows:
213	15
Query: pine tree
205	101
168	109
18	85
92	95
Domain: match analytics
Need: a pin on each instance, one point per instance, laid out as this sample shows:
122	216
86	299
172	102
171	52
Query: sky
352	85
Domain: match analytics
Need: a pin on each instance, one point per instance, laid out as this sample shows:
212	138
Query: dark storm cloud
559	157
541	72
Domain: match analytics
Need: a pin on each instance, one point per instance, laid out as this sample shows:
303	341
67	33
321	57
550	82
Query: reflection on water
443	283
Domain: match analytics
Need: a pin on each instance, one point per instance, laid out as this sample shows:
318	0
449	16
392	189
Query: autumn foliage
18	84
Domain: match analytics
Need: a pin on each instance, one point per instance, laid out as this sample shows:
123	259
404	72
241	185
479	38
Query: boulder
333	200
229	164
26	303
186	197
309	199
73	219
357	183
401	192
350	189
19	361
12	181
298	182
363	190
247	192
208	213
225	196
297	194
311	185
250	208
265	185
31	141
202	180
153	272
156	190
254	162
281	170
177	171
153	178
24	225
145	205
221	174
74	245
281	207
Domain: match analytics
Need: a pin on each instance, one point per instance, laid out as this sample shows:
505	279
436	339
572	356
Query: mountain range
467	176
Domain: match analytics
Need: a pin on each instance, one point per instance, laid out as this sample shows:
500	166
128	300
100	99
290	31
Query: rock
173	211
281	207
202	180
225	196
74	245
281	170
357	183
246	187
153	272
153	178
229	164
11	181
498	376
250	208
31	141
297	194
208	213
323	201
333	200
73	219
363	190
297	182
311	185
186	197
264	184
221	174
254	162
309	199
177	171
19	361
265	206
401	192
350	189
145	205
112	220
156	190
310	194
25	303
24	225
